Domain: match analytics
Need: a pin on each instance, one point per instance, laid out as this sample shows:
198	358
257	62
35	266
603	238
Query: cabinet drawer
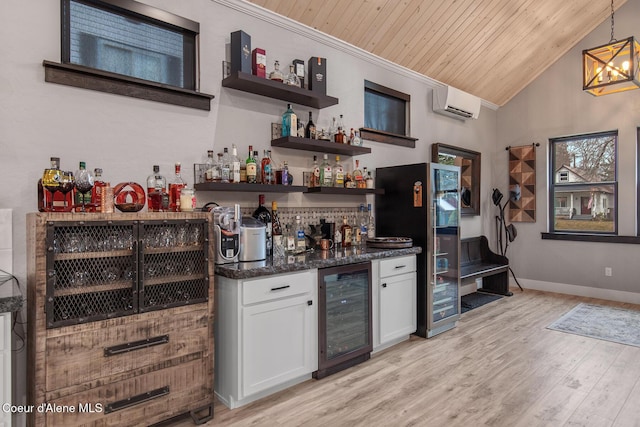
144	400
104	352
278	286
400	265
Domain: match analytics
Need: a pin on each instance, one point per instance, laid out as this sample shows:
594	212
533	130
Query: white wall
555	105
126	136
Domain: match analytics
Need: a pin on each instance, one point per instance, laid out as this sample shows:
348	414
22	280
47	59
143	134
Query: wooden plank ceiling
490	48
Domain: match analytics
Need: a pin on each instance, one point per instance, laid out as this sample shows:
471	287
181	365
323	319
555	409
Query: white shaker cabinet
266	335
395	300
5	367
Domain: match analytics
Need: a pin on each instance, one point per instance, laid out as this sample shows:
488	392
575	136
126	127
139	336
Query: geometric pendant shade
610	68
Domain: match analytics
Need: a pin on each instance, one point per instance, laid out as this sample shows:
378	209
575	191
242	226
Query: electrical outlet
608	271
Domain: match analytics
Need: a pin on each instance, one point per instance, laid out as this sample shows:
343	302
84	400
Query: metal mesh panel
83	238
174	269
84	273
87	307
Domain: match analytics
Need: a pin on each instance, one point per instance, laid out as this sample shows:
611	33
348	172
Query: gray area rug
606	323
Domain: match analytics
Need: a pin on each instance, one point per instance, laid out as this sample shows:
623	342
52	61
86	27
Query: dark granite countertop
10	296
309	260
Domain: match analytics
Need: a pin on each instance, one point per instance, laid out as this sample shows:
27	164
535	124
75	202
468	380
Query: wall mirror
469	163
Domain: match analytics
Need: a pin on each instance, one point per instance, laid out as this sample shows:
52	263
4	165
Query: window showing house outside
583	190
110	37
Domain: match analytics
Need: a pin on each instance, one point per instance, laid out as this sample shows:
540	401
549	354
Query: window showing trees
583	185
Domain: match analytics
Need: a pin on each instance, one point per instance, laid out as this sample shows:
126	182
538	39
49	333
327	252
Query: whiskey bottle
97	190
292	79
289	122
250	165
357	176
338	174
310	130
157	196
276	74
346	231
339	138
175	186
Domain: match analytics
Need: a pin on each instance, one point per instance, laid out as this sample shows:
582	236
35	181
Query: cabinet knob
310	302
384	285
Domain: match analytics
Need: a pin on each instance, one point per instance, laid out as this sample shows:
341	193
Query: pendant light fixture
612	67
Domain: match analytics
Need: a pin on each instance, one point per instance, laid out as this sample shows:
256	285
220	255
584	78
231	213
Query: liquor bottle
300	132
339	138
357	176
276	74
276	231
326	179
301	242
217	169
337	237
352	136
209	167
333	130
97	192
157	196
371	226
314	179
47	201
310	130
175	186
356	139
268	176
235	165
356	237
346	231
348	181
226	166
363	219
258	169
338	174
291	78
290	239
251	167
289	122
262	214
285	173
369	180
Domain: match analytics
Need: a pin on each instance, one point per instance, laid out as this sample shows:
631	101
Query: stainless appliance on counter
226	226
253	240
421	201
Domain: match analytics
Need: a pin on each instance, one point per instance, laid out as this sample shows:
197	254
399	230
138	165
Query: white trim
288	24
582	291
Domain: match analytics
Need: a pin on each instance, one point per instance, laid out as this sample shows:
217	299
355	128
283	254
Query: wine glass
84	183
66	184
51	182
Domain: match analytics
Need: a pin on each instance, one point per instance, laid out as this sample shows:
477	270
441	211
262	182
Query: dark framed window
130	38
386	115
583	189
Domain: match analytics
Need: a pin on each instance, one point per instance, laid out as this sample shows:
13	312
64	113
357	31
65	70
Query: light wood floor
499	367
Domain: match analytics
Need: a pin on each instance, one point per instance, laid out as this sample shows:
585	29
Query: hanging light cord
612	38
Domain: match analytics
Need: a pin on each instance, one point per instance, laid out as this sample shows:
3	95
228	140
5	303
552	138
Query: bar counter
308	260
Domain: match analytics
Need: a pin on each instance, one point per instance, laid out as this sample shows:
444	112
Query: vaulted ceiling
490	48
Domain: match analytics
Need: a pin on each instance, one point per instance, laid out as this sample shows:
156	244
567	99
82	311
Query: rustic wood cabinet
120	318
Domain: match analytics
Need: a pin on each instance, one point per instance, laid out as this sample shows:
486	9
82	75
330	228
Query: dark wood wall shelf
319	146
249	188
347	191
265	87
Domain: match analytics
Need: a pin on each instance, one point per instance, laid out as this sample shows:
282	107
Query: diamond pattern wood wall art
522	178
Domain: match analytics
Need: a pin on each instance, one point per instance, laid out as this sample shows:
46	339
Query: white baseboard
582	291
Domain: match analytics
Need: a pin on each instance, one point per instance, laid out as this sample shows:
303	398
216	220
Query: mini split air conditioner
455	103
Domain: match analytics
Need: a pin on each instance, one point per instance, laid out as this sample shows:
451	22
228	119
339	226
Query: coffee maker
226	228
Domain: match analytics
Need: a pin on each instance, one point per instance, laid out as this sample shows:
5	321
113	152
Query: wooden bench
477	260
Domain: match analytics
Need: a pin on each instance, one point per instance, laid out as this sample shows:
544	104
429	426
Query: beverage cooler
422	201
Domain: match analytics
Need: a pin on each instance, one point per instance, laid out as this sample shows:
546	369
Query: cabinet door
279	342
397	306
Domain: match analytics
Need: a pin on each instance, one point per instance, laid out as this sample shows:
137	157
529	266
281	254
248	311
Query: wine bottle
310	129
251	167
262	214
258	168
